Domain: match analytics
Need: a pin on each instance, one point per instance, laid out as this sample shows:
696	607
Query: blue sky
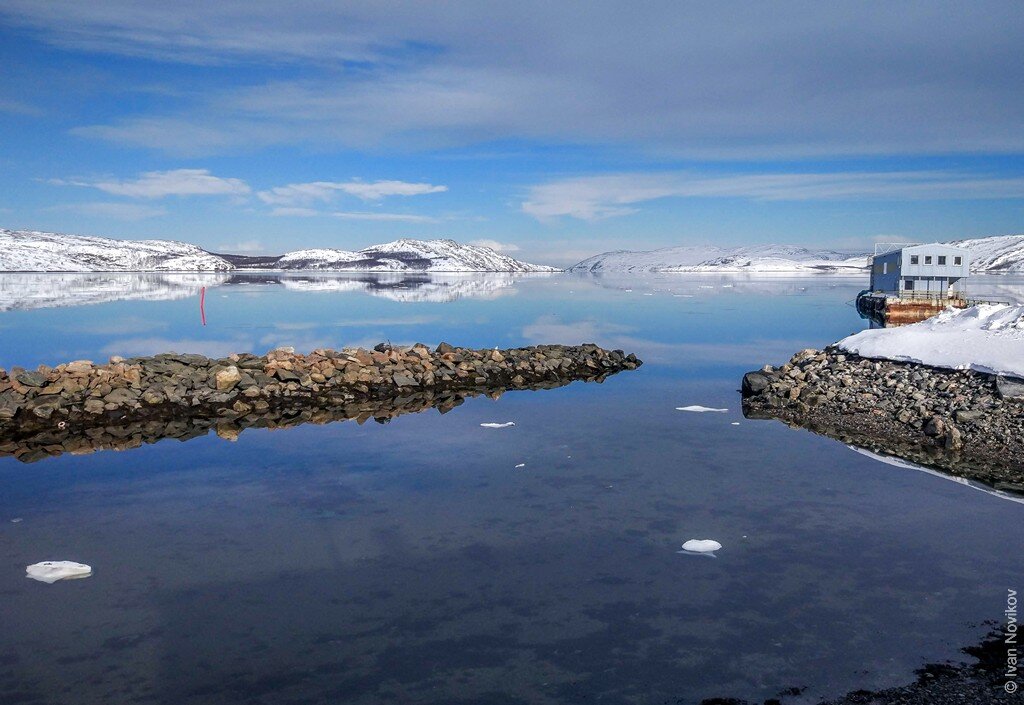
554	130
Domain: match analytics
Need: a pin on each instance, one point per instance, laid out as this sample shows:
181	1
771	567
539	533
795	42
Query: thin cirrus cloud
115	211
160	184
324	191
684	78
302	212
606	196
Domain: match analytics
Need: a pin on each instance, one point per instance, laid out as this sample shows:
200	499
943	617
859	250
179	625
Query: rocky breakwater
81	406
965	423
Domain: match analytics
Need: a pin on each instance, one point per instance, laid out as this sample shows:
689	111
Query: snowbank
986	338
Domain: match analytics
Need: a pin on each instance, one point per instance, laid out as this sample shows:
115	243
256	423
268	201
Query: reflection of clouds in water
549	329
124	325
132	347
301	342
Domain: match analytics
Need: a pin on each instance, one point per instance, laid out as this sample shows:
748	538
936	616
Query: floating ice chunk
735	423
701	546
498	425
52	571
521	465
700	409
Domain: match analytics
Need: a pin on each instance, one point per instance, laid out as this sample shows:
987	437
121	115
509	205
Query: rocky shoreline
965	423
81	406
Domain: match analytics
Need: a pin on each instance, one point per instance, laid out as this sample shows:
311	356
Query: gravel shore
965	423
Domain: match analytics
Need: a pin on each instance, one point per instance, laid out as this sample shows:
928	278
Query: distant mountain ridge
1004	253
33	251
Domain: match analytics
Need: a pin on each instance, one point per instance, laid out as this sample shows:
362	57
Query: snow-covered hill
409	256
760	258
31	251
1003	253
990	254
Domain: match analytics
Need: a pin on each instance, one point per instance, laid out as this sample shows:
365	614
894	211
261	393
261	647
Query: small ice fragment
498	425
701	546
700	409
648	294
521	465
15	520
735	423
52	571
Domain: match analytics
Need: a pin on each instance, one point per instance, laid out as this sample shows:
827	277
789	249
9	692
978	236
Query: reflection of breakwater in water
80	406
49	443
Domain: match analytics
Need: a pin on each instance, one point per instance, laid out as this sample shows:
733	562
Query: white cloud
303	212
16	107
160	184
495	245
293	212
242	247
323	191
396	217
117	211
606	196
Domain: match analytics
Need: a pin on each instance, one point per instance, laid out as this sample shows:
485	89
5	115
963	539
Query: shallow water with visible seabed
431	560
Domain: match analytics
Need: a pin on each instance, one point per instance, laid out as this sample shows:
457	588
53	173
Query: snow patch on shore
987	338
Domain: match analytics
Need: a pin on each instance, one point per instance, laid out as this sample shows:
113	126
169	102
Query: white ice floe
701	546
498	425
986	338
700	409
735	423
52	571
521	465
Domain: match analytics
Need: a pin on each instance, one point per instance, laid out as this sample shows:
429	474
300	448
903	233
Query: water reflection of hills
27	291
20	292
1008	288
23	292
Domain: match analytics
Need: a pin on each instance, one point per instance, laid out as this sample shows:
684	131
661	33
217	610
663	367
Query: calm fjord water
414	562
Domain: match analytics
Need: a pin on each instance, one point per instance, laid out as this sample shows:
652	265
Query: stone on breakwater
965	422
80	395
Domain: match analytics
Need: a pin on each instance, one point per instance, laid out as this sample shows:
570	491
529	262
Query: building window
927	259
914	259
942	260
908	284
958	261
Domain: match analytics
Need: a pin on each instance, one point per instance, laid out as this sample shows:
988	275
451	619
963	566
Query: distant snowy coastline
1000	254
32	251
